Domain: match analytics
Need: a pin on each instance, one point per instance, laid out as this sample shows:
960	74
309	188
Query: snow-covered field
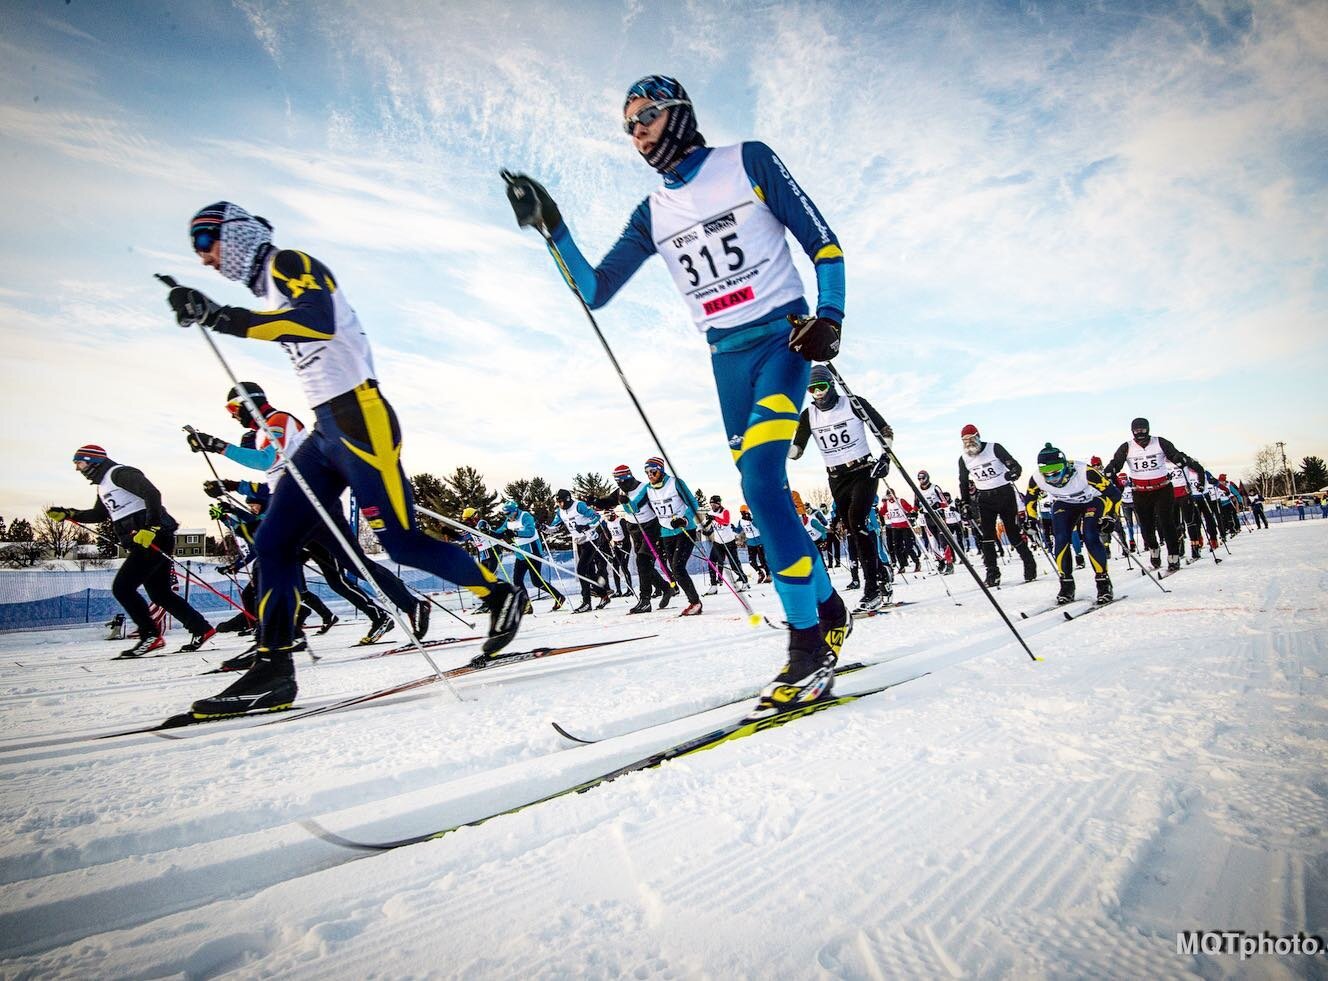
1164	769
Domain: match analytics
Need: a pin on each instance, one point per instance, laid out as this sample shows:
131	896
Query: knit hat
679	133
90	453
622	472
1049	455
969	430
245	239
655	463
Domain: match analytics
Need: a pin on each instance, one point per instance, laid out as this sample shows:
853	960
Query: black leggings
644	538
152	571
853	492
1156	511
676	550
590	564
536	569
1001	502
334	574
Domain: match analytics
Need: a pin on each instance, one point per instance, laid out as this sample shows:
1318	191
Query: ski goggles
205	236
1052	471
648	114
818	388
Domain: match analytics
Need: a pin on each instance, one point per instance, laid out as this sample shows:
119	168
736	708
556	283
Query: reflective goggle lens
816	388
205	238
648	114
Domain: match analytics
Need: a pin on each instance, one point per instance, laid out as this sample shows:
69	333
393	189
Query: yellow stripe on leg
798	570
384	453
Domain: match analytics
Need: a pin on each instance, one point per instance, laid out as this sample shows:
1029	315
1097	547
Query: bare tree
1267	469
57	537
819	497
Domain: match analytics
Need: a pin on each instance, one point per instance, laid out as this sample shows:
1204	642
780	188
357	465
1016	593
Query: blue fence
31	599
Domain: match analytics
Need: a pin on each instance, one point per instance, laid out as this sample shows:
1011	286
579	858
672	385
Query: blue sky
1055	218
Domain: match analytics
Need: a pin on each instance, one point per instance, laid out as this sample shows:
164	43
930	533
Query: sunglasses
204	238
819	387
648	114
1051	469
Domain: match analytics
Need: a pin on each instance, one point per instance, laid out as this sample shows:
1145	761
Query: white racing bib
840	435
726	251
1148	465
1077	489
666	501
985	469
119	502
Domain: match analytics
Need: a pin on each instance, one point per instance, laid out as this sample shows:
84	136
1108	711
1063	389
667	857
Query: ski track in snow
1162	769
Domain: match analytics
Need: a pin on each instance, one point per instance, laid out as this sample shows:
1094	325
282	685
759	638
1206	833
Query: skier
993	473
1127	506
355	442
1256	507
719	222
1079	493
146	529
724	547
1146	456
622	575
674	504
520	524
257	452
850	468
901	543
936	498
583	524
755	551
643	529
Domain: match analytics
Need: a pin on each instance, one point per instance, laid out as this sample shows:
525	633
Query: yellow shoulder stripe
829	252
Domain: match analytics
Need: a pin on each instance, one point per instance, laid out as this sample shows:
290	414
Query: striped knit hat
622	471
655	463
90	453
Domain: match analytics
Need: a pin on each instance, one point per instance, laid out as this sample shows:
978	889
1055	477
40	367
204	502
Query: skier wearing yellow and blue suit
1077	490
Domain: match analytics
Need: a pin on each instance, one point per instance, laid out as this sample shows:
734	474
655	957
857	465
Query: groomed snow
1164	769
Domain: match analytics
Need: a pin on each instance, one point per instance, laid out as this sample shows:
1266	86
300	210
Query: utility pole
1286	472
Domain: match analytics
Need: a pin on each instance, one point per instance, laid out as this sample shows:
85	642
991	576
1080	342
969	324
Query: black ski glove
192	307
882	467
531	203
216	488
815	338
203	443
678	522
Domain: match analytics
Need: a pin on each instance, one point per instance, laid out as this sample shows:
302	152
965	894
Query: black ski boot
1155	557
993	577
419	618
1078	560
234	625
1173	563
642	605
583	608
1066	595
835	621
853	582
505	605
381	623
240	662
604	601
328	624
1194	550
1104	593
268	685
808	676
668	595
145	645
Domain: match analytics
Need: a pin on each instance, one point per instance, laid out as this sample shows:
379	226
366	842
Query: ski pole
963	557
317	505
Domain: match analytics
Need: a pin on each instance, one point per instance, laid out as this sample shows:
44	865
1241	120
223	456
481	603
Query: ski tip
567	735
332	838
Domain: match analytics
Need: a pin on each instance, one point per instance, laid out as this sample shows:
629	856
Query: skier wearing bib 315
355	442
719	221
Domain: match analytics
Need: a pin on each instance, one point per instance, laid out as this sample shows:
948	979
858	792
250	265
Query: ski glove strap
815	338
531	203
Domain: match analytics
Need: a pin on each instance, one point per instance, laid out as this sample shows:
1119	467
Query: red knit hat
969	430
90	453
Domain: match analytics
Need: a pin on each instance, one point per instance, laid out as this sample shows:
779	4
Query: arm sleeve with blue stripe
791	205
598	284
253	459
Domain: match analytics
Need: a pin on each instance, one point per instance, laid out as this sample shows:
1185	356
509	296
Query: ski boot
668	595
1104	594
269	684
504	605
145	645
1212	543
712	590
327	624
558	604
419	618
1030	567
993	578
234	625
642	606
1173	564
691	610
197	641
835	621
1133	546
605	600
1078	560
529	608
378	626
1066	594
853	582
240	662
583	608
868	604
808	676
1194	550
1155	557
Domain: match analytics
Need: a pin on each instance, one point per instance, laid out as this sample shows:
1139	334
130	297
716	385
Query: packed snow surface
1161	770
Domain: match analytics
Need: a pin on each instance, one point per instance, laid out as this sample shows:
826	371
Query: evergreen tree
533	495
106	539
430	493
590	485
1313	475
20	531
466	489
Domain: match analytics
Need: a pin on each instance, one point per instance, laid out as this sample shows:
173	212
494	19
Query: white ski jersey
1077	489
840	435
1192	481
895	515
615	527
985	469
1148	465
582	530
932	495
723	533
119	503
666	501
724	248
332	367
514	525
639	514
749	530
1127	494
